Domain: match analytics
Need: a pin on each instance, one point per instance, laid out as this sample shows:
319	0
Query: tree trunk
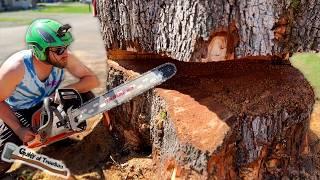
194	31
220	120
244	118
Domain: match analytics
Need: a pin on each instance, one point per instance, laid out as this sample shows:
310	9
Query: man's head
49	40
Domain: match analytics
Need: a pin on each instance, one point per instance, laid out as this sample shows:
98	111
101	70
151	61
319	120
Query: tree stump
221	120
242	114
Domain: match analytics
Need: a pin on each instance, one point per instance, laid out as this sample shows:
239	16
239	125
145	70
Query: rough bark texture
183	30
222	120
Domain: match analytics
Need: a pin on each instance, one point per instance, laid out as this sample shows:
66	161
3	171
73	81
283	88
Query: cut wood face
280	28
221	48
217	49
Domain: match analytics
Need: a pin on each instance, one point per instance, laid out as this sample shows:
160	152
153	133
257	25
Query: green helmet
44	33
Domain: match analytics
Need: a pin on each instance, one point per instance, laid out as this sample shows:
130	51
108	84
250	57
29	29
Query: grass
63	8
16	20
25	17
309	65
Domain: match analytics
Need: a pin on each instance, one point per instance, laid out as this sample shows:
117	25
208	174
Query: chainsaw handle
35	142
46	106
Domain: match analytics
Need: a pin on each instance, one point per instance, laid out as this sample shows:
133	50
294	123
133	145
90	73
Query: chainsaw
56	121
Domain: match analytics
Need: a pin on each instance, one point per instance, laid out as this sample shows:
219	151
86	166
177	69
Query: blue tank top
31	91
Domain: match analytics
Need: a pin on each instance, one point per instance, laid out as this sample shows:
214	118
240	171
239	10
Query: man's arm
87	79
9	79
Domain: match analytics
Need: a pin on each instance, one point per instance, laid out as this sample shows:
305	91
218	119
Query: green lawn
309	65
63	8
25	17
16	20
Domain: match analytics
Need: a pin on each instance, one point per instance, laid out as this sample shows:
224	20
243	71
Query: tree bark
184	30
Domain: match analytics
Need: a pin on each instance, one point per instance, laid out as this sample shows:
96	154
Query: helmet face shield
45	33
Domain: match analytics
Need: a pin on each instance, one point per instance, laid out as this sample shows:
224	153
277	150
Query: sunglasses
59	50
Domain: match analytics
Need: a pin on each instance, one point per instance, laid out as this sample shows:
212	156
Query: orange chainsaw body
37	142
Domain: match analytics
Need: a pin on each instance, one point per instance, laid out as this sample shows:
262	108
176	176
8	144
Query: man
27	77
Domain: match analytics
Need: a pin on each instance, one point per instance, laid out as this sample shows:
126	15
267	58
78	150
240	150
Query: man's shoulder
14	64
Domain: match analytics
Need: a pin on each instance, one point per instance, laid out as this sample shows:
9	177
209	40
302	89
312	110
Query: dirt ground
89	155
314	133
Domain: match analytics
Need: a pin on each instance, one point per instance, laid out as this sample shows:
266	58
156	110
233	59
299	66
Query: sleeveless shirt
31	91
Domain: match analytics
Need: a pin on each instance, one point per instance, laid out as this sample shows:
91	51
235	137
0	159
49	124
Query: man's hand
25	135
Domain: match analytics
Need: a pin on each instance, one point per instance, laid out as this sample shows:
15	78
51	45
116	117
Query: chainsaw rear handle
42	121
47	115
